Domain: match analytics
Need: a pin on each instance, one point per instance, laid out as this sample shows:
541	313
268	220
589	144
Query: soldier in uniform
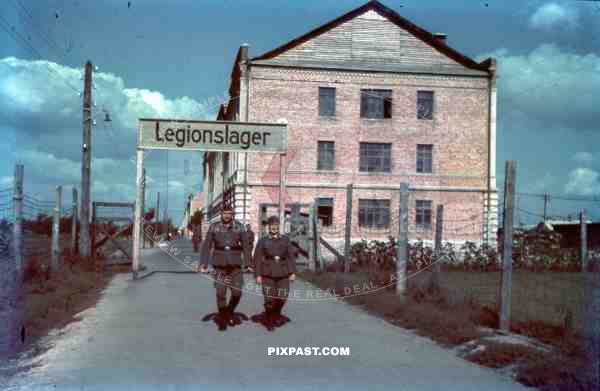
227	240
275	263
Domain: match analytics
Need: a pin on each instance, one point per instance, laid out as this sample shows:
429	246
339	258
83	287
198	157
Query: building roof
420	33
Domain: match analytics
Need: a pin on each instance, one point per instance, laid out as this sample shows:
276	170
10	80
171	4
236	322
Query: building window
374	213
423	214
376	103
375	157
325	211
326	155
424	104
424	158
326	101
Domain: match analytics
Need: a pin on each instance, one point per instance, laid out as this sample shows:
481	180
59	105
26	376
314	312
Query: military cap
227	208
273	220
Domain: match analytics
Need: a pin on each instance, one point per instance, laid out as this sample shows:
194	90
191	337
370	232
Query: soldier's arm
291	257
247	248
257	260
205	248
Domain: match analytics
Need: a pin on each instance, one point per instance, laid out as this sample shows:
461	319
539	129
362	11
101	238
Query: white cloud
549	87
584	182
45	114
554	15
583	158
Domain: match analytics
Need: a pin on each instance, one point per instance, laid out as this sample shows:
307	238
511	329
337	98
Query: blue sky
162	58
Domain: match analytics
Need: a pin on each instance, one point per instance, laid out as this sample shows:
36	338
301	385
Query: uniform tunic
275	261
228	243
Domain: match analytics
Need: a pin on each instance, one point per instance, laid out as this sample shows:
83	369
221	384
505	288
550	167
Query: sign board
182	134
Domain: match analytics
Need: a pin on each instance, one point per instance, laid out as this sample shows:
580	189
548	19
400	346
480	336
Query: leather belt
276	258
228	248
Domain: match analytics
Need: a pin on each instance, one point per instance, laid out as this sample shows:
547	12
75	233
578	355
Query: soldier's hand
259	280
203	269
250	269
292	277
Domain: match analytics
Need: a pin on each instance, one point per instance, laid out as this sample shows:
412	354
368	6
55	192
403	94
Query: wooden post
318	257
402	243
86	164
156	218
312	260
56	231
143	233
592	308
545	206
93	231
11	277
506	286
348	234
18	211
583	253
135	263
74	212
439	229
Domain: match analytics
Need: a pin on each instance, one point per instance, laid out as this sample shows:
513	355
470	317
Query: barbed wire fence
36	232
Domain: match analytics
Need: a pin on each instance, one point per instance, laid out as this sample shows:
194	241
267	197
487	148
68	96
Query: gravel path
148	334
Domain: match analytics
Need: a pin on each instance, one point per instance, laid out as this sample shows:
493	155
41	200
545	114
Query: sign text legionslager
211	135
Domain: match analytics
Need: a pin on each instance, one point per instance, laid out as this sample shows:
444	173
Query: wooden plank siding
369	38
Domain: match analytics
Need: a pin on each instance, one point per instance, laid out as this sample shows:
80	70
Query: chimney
244	52
440	36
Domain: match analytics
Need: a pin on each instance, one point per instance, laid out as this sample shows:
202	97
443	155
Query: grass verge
452	322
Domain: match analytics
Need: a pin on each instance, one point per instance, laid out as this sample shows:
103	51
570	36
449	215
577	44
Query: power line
16	36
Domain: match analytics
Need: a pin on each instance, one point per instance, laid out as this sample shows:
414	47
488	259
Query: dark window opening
325	211
376	103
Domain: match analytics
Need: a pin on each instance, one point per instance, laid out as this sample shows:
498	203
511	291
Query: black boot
222	319
269	318
234	318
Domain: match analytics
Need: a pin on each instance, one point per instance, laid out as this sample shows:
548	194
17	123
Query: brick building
371	100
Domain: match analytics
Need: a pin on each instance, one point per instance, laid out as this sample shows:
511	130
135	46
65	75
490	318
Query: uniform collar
276	236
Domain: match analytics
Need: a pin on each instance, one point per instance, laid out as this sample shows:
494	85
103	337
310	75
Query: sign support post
139	161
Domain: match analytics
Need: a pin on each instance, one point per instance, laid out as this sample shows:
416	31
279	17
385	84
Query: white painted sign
211	135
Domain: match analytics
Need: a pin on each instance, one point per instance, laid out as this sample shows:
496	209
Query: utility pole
86	163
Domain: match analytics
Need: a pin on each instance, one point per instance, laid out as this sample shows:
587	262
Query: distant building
372	100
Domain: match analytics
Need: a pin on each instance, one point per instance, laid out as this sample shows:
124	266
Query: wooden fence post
348	234
312	261
506	285
18	211
583	253
402	244
11	274
56	231
143	223
439	229
74	213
